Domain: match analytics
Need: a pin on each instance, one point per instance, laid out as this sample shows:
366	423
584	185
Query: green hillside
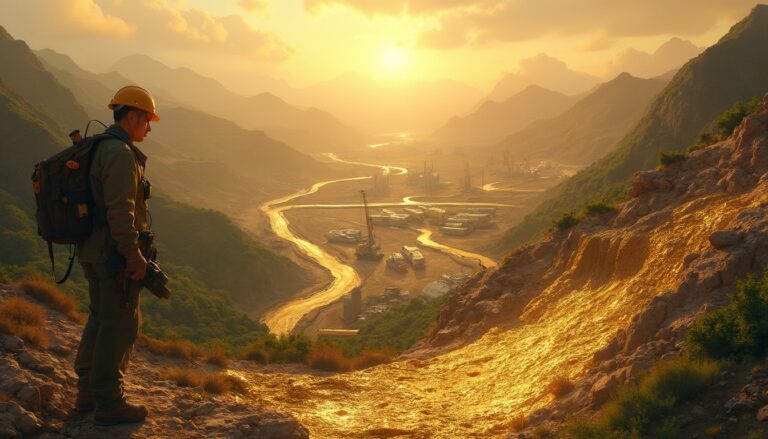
223	255
734	69
21	72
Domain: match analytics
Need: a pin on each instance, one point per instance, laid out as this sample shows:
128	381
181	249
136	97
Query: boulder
644	327
739	405
602	390
29	396
27	423
725	238
11	343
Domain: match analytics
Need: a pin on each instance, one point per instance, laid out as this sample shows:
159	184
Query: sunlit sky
307	41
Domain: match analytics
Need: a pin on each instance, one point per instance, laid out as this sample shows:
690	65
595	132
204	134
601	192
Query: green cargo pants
108	337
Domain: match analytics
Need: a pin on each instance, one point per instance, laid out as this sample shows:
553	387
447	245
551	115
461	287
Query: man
112	261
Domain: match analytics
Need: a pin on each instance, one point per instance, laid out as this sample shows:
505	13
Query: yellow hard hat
136	97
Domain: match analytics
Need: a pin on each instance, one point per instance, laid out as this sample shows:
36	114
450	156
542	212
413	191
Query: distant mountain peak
535	88
623	76
756	21
141	59
4	34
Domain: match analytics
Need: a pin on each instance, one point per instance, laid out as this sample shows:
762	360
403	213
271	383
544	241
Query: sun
394	59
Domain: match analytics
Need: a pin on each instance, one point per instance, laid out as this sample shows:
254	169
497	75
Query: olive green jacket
118	185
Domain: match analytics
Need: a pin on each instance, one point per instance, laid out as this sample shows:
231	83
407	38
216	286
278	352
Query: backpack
62	187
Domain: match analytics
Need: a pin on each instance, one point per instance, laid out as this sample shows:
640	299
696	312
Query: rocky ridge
37	393
724	186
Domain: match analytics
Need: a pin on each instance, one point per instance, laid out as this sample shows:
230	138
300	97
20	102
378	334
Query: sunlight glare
394	59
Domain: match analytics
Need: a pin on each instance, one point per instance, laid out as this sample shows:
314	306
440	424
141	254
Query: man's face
137	125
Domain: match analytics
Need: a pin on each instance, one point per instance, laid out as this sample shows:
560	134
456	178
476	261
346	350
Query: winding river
283	319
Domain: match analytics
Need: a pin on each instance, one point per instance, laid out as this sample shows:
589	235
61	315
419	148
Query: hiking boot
84	402
124	413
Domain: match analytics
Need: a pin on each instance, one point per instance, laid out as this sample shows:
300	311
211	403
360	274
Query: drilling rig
368	249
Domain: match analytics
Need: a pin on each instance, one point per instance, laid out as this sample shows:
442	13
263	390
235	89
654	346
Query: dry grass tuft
329	358
560	386
171	348
183	376
218	383
222	383
23	319
52	296
373	357
217	357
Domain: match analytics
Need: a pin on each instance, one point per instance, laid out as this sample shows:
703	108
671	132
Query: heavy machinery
368	249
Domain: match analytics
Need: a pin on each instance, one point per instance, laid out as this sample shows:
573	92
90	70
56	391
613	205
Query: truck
413	255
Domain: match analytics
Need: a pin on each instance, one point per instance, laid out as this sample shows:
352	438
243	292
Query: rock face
38	388
724	186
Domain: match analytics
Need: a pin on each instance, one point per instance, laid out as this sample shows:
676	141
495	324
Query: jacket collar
117	131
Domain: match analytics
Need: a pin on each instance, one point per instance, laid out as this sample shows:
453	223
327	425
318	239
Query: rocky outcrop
37	393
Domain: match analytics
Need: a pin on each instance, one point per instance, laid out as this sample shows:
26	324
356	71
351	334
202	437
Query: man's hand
136	269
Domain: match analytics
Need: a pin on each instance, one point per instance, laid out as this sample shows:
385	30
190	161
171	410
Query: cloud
595	42
149	25
78	18
391	7
252	5
544	71
485	21
670	55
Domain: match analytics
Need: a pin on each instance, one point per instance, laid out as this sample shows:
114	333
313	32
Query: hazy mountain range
734	69
493	121
197	158
591	127
308	129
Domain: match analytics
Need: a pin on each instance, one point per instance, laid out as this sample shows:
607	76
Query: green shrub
566	221
395	330
598	208
292	348
725	124
644	410
704	140
257	354
737	330
734	115
668	158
